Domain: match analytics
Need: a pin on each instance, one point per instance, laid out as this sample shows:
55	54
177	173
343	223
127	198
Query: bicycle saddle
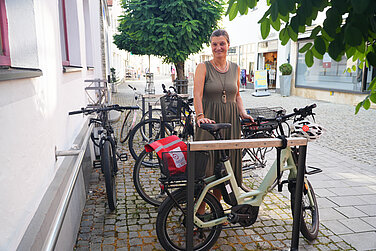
215	127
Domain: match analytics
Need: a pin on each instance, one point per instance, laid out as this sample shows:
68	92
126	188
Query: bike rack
239	144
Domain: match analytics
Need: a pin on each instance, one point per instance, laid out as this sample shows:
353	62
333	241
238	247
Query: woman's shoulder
234	66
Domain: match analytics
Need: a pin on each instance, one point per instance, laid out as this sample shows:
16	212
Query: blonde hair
220	32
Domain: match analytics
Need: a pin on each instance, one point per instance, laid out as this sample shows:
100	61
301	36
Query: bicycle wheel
156	113
108	162
309	221
171	223
138	139
128	124
146	173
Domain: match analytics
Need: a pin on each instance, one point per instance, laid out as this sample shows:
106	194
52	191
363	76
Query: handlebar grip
76	112
133	88
128	107
164	88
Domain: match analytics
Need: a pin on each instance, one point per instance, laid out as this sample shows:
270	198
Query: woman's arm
239	102
198	92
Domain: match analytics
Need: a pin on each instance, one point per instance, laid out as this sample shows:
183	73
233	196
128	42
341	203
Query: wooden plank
243	143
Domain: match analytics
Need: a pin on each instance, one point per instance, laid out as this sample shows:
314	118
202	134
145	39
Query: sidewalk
346	191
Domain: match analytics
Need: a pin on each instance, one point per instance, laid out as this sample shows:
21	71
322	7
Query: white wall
34	113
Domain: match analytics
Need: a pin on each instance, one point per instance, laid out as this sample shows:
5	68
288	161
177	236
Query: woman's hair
220	32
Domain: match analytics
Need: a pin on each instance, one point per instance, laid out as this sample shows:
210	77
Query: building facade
48	50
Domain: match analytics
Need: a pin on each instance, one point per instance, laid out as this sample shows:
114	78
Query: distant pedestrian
173	72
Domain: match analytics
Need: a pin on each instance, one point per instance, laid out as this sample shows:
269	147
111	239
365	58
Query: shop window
4	41
326	73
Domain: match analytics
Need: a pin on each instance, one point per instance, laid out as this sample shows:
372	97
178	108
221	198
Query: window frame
65	30
5	57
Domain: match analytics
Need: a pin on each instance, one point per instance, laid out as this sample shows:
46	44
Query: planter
285	82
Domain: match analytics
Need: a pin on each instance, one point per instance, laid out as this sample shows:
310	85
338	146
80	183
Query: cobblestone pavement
132	225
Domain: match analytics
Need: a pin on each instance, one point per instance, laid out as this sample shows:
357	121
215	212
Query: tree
348	29
171	29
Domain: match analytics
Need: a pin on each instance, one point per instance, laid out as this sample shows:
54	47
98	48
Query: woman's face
219	46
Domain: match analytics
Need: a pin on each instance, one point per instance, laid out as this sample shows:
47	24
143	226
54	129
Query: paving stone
344	183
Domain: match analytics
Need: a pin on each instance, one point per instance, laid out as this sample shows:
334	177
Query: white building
48	49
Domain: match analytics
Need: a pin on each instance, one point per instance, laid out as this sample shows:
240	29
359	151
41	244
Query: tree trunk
180	70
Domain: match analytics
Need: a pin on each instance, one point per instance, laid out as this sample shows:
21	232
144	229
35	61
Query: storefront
267	60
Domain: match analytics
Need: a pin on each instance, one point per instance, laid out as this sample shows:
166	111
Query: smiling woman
217	100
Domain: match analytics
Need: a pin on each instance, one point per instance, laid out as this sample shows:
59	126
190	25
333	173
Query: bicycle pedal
123	157
97	164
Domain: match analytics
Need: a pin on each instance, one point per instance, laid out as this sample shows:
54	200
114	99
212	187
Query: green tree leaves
171	29
348	29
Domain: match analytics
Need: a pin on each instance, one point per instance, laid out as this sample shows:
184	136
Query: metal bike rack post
190	198
298	197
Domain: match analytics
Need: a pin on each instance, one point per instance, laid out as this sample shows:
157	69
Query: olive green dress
215	109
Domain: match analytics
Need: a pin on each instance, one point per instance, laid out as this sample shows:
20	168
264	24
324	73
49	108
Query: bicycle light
305	128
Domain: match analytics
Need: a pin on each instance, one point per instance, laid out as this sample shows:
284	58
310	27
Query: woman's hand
203	120
244	115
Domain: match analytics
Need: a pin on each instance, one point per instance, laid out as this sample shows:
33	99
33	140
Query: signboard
326	61
261	81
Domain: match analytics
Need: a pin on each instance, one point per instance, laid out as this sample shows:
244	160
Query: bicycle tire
309	221
145	179
156	113
137	140
171	225
127	125
108	162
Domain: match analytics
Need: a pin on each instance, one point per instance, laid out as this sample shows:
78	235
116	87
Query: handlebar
133	88
303	112
102	109
170	87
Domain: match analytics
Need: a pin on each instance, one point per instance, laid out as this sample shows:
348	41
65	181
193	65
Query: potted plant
285	79
113	80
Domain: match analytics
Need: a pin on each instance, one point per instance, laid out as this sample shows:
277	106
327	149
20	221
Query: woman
217	100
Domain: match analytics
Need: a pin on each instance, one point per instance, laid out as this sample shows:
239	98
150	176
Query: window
69	34
327	73
63	33
4	44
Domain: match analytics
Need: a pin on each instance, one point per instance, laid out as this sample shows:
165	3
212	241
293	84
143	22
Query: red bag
173	153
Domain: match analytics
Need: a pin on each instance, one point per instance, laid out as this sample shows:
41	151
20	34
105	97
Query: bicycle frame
255	197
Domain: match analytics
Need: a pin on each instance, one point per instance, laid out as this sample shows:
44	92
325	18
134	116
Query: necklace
224	100
220	70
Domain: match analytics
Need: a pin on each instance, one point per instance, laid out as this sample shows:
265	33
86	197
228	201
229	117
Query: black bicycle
106	142
131	117
177	119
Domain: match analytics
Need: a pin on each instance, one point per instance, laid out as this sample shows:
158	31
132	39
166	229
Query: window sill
331	89
10	73
70	68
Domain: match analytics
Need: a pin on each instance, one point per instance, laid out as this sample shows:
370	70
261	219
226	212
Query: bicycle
106	143
253	158
132	115
172	213
146	171
176	119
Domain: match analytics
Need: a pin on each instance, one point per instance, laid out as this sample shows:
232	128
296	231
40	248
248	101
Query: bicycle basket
174	164
266	112
171	107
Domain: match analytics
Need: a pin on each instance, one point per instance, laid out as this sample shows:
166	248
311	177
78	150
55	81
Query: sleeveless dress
214	109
